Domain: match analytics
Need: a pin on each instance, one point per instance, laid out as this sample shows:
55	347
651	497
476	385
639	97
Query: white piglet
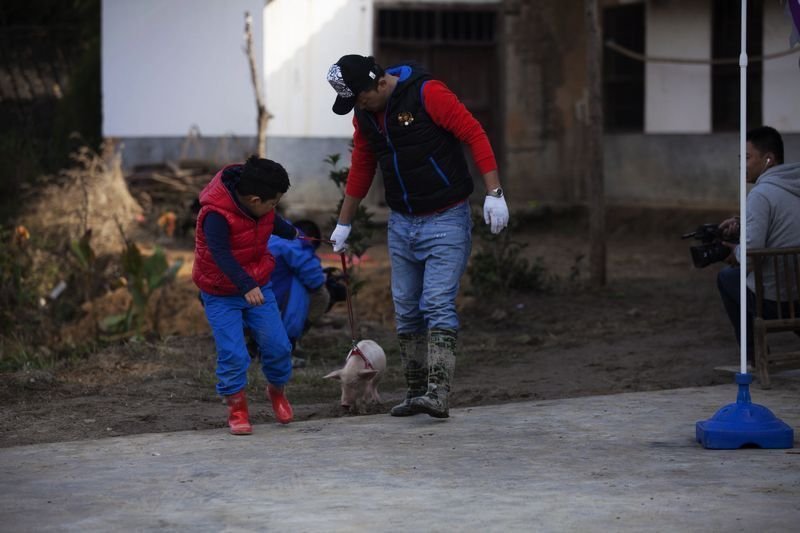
360	375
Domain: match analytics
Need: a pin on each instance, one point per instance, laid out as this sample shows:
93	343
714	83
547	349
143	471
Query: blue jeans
728	285
228	316
429	255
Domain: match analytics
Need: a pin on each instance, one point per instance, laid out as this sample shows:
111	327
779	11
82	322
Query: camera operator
773	221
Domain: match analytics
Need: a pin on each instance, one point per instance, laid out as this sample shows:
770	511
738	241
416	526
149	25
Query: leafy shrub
143	275
29	309
363	227
17	284
498	268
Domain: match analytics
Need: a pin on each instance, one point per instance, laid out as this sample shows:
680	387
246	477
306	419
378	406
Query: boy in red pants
232	269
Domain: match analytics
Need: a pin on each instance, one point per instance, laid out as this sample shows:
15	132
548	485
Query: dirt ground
657	324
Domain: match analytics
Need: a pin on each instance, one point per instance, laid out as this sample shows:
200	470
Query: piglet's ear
367	373
336	374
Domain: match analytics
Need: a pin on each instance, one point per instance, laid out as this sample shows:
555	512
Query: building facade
176	85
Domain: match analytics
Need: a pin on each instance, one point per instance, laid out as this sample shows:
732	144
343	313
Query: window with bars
457	44
436	26
623	77
726	44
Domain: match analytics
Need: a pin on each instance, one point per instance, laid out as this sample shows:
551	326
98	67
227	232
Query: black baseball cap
349	76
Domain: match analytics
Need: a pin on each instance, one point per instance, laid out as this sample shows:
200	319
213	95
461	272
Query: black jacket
423	165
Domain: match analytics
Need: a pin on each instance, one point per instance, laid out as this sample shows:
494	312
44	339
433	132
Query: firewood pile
171	187
169	184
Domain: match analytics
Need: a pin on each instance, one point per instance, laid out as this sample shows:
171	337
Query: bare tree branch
263	114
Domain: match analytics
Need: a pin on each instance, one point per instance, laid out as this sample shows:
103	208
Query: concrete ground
626	462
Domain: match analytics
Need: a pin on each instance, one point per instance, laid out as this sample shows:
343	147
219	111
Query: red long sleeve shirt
447	112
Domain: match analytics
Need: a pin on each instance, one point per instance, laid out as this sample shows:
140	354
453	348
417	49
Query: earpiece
769	160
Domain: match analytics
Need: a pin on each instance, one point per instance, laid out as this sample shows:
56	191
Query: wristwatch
497	193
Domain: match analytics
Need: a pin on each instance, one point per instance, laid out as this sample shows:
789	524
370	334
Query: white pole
743	192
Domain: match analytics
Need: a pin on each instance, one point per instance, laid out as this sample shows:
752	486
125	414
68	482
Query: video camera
711	250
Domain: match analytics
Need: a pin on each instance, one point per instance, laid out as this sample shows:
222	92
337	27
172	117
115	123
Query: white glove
339	237
495	213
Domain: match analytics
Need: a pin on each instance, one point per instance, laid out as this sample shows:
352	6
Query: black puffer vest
423	165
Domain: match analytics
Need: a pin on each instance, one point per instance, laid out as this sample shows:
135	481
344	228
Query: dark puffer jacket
423	165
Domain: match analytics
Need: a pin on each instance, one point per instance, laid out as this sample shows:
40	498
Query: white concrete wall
678	97
169	65
302	39
391	3
781	76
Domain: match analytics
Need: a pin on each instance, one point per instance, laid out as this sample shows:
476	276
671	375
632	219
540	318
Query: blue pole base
743	424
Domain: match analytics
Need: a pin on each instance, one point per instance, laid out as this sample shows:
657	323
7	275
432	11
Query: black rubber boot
413	357
441	366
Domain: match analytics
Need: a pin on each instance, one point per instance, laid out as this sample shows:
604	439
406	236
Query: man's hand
254	297
730	228
731	259
339	237
495	213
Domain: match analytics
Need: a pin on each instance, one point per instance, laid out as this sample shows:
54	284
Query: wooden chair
785	263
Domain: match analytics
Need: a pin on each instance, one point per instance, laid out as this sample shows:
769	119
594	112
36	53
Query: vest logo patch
405	118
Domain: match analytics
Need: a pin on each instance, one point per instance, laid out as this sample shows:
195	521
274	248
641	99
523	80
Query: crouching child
232	269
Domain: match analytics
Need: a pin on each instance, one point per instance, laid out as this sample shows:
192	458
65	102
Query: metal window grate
436	26
623	77
726	42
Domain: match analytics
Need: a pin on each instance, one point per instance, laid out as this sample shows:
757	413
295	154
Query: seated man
773	221
302	287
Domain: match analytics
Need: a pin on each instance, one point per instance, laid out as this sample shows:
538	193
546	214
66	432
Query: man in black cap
413	126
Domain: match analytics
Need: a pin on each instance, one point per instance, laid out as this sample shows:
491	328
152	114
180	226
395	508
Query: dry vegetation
658	324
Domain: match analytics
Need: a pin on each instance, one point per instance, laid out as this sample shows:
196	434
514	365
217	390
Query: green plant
143	274
26	333
86	258
18	354
498	267
17	282
362	225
